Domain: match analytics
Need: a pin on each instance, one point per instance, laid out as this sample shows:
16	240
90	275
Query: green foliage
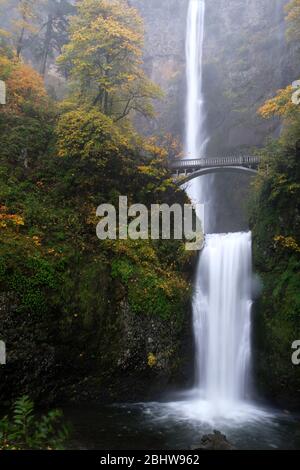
287	292
33	283
122	269
275	223
24	431
150	294
103	58
18	145
88	134
153	288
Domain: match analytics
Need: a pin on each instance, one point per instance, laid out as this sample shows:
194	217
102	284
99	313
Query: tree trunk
47	44
20	43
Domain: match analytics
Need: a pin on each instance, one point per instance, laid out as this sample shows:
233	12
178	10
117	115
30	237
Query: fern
25	431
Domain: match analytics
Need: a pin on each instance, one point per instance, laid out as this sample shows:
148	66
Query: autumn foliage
104	59
281	105
25	88
7	219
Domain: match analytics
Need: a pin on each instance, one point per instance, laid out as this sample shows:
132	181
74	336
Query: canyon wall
246	60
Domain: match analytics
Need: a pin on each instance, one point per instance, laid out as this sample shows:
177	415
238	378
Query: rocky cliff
165	26
247	59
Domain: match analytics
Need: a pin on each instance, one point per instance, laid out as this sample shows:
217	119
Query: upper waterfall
195	140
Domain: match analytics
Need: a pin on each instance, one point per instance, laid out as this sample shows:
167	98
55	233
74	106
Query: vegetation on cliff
276	232
67	299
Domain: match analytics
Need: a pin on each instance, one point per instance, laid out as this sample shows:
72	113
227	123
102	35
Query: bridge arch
182	179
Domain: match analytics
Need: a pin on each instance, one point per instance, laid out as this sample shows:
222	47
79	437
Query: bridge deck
198	163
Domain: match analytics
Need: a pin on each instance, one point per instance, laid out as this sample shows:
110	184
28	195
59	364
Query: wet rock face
246	59
153	358
128	357
30	354
165	25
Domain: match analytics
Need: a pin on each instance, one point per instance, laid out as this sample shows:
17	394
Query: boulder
215	441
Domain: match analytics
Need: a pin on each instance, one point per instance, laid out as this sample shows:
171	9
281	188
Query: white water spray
222	319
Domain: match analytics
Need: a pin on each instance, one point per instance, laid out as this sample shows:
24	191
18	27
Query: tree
25	88
282	106
104	59
89	135
38	28
23	24
54	31
25	121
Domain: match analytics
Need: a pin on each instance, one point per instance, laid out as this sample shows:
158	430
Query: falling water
222	309
222	300
196	137
195	133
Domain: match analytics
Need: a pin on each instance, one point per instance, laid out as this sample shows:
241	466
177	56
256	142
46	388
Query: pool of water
179	425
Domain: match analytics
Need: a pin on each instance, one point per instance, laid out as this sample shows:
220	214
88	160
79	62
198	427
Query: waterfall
195	133
195	136
222	299
223	286
222	310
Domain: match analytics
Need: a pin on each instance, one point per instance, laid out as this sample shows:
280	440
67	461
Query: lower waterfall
222	305
222	319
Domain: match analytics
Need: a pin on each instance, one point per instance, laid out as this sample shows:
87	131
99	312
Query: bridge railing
231	160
